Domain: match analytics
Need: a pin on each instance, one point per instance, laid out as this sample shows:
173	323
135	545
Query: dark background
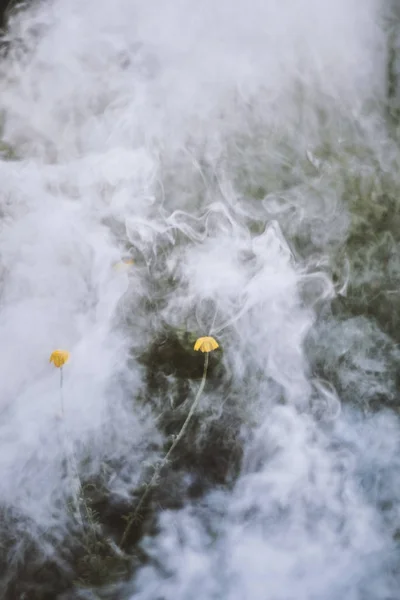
3	6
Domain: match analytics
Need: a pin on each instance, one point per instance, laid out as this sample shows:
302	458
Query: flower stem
61	391
135	514
72	467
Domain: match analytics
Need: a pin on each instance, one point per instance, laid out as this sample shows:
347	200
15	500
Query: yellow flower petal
59	357
206	344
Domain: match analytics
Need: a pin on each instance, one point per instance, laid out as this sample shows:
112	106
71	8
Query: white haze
134	122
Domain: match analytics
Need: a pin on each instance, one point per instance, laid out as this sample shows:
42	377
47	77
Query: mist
246	157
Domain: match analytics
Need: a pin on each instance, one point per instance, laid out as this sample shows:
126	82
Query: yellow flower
206	344
59	357
124	263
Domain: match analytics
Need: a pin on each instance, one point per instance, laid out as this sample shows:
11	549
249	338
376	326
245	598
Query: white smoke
213	141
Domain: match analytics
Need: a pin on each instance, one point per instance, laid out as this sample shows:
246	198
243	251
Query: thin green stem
193	408
72	466
61	391
134	515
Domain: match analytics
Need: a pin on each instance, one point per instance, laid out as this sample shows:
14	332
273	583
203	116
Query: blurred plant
124	264
206	345
99	552
59	358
